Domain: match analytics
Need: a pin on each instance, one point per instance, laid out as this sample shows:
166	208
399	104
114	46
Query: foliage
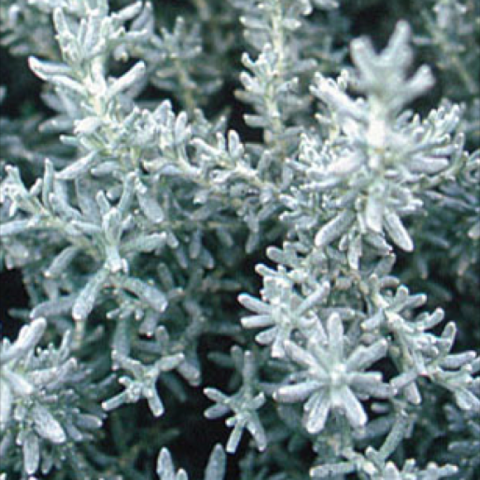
136	201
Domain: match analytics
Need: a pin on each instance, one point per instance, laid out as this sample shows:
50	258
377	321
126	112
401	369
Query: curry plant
309	266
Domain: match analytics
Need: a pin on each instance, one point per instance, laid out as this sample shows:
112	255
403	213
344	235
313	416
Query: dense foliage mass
261	212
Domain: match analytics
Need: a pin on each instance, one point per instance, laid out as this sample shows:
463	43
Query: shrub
240	210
